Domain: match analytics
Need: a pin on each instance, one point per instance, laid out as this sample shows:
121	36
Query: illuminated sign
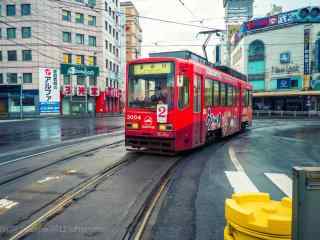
307	51
285	57
49	90
152	68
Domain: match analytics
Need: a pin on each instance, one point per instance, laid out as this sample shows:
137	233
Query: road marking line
234	159
7	204
47	179
240	182
282	181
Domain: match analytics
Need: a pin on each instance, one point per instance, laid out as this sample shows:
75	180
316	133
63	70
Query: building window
117	52
81	80
12	78
79	18
66	15
106	6
92	41
66	79
27	77
11	10
12	55
0	32
256	51
107	63
1	78
0	56
67	58
79	59
92	60
92	80
26	55
66	37
92	20
110	47
79	38
25	9
11	33
26	32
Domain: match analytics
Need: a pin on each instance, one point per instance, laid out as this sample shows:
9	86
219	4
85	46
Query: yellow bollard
254	216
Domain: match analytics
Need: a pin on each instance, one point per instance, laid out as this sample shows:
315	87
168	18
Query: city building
281	56
133	31
236	13
60	57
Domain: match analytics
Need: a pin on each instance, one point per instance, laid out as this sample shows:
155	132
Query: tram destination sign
152	68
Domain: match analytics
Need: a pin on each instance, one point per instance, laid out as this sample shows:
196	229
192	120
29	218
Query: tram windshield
150	84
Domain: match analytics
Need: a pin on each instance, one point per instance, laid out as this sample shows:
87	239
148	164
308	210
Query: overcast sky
212	11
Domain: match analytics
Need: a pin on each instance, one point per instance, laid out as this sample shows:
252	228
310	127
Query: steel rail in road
137	228
67	199
62	159
62	145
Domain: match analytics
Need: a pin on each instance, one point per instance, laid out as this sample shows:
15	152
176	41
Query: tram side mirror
180	80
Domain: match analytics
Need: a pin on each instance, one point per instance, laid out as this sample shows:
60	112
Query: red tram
176	104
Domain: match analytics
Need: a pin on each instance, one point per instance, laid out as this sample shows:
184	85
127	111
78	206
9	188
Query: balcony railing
258	114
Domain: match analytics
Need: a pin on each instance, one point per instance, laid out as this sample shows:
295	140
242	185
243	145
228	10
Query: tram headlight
133	125
165	127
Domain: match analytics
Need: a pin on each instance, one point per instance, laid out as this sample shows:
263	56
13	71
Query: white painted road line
240	182
282	181
234	159
7	204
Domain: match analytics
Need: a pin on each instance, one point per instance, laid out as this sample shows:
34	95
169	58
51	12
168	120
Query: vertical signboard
49	90
306	51
306	58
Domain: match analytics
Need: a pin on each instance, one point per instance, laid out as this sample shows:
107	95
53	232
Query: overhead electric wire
71	4
186	7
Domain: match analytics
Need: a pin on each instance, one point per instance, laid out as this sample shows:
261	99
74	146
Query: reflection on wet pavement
41	132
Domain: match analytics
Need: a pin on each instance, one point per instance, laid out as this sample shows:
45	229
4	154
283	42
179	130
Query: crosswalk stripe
234	159
240	182
282	181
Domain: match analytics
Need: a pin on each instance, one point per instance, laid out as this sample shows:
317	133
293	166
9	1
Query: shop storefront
109	101
15	103
79	91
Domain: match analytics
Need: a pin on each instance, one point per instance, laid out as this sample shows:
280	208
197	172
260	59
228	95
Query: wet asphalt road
193	207
38	133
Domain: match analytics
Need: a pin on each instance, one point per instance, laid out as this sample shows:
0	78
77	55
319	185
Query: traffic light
309	14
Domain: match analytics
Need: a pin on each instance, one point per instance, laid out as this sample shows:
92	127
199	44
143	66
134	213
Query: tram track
136	230
65	200
60	160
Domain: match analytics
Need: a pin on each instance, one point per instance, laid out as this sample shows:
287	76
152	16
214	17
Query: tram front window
150	85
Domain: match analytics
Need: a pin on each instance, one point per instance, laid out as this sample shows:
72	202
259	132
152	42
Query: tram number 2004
133	117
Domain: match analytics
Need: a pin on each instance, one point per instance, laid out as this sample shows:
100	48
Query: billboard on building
49	90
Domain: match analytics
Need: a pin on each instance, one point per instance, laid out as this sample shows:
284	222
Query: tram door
197	112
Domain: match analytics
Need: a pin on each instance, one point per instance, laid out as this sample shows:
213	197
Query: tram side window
236	96
216	93
230	95
244	98
223	94
184	95
197	94
208	92
249	98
